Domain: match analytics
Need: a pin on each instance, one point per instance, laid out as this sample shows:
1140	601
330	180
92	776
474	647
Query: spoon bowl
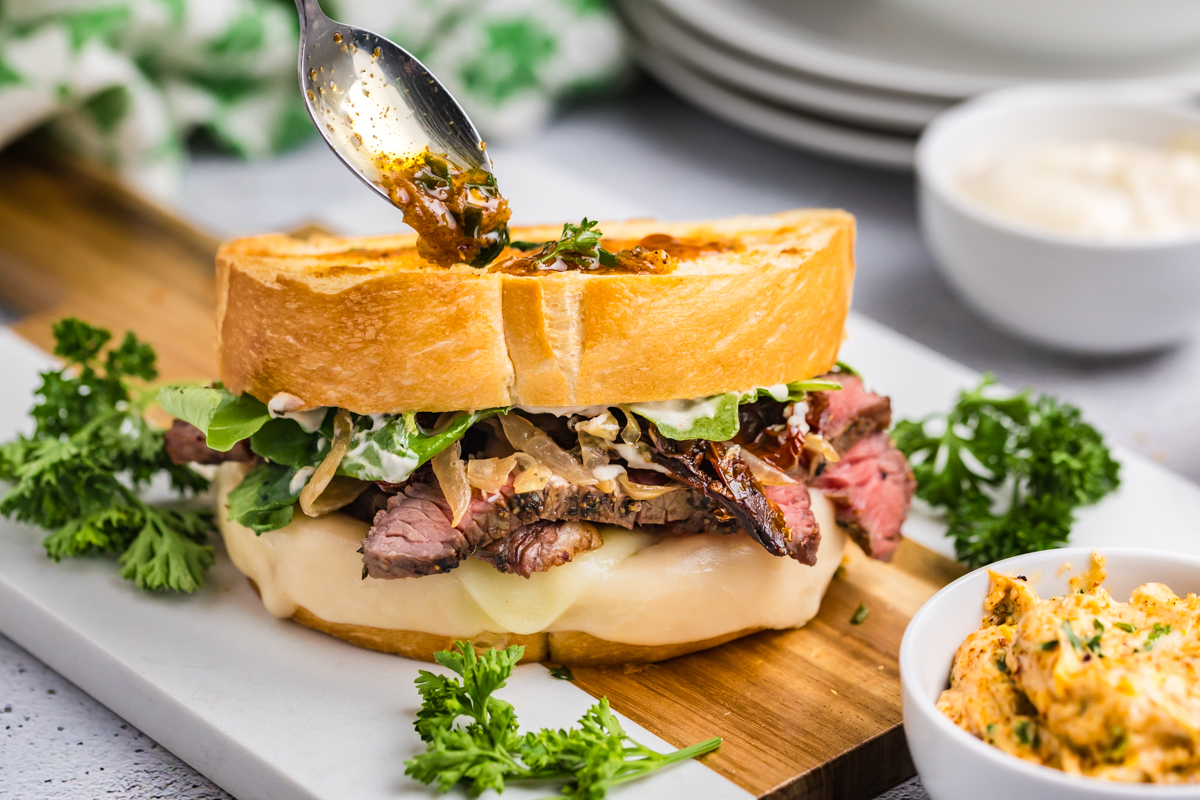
370	98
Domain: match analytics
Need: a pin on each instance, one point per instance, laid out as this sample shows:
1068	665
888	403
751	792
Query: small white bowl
952	763
1064	291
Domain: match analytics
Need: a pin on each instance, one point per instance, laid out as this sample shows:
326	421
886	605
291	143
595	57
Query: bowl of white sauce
1070	215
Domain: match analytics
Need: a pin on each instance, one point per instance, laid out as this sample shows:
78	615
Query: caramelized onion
524	436
342	429
602	426
632	431
593	450
490	475
341	492
644	491
451	474
815	443
767	474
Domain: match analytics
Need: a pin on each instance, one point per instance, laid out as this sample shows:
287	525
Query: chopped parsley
1007	472
562	673
860	614
488	751
1157	631
1046	647
1125	626
92	453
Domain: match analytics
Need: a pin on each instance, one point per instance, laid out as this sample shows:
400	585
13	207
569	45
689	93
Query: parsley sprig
488	750
81	474
1008	472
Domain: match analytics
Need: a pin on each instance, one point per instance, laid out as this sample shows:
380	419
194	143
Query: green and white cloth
128	82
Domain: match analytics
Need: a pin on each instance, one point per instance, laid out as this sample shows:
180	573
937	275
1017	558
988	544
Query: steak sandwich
608	448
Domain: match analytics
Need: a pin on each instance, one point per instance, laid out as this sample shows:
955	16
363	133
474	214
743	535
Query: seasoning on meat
540	546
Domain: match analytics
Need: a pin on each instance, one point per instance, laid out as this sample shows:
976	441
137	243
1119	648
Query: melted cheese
639	588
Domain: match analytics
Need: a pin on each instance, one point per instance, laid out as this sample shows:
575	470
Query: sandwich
613	443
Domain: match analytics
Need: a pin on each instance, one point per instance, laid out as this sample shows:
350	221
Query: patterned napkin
128	82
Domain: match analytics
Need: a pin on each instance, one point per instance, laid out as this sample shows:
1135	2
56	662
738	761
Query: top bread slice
367	325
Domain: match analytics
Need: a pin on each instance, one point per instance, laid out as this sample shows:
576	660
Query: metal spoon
369	97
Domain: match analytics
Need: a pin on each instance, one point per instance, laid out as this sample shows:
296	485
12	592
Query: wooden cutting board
809	713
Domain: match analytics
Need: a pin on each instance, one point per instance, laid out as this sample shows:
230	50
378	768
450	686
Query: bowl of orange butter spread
1059	674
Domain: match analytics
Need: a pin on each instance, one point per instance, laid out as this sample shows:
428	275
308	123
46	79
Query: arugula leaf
81	474
226	419
264	500
1008	472
488	751
384	448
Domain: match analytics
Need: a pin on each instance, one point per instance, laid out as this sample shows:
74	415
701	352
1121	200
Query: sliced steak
186	444
843	417
796	504
540	546
714	469
367	505
413	536
871	488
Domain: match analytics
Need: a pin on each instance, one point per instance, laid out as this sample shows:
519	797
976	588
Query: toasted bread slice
367	325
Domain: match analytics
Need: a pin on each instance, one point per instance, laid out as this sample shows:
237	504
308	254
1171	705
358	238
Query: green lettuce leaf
264	500
716	418
225	419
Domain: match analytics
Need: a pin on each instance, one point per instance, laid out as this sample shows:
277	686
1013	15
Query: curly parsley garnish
81	474
487	751
1008	472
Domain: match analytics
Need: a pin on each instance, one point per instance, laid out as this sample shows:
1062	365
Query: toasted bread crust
366	325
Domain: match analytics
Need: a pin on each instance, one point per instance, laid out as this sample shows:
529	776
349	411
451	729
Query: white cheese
638	588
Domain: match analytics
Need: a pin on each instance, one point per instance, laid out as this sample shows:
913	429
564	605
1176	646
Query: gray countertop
643	153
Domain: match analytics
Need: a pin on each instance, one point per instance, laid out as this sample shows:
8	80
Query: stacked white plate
857	79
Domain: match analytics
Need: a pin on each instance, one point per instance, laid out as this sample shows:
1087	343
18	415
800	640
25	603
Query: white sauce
608	472
300	479
394	467
1096	188
680	414
287	406
634	459
565	411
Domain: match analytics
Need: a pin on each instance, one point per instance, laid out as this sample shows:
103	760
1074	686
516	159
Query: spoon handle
310	13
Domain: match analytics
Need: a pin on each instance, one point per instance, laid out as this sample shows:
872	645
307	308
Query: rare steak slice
871	488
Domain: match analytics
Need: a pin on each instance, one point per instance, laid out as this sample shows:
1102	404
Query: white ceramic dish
803	91
879	45
1101	28
775	122
952	763
1058	290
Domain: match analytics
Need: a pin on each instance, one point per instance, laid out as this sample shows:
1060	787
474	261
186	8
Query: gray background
640	153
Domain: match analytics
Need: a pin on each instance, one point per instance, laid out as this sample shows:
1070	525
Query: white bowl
1061	290
1069	27
952	763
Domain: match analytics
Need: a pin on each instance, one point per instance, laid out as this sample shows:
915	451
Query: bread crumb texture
366	324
